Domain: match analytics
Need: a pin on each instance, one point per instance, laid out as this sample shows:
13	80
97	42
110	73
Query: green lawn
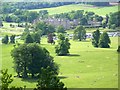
87	67
67	8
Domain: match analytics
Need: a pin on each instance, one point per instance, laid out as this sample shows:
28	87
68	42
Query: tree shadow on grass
30	80
62	77
34	80
73	55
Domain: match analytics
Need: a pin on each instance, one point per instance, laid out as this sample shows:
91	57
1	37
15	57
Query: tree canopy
63	46
49	81
96	37
30	58
104	40
5	39
79	33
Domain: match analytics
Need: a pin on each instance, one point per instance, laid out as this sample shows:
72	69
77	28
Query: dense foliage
60	29
13	6
5	39
12	39
114	20
30	58
104	40
63	46
95	38
6	79
49	81
44	28
79	33
82	16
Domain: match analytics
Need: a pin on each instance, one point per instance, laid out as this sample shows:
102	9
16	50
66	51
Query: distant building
67	24
94	24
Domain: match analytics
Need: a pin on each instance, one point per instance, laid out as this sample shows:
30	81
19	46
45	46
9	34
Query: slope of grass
67	8
87	67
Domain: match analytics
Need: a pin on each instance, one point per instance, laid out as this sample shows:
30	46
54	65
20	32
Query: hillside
67	8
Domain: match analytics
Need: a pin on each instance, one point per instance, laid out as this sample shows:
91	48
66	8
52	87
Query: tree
104	25
50	38
79	33
41	26
83	21
104	40
36	37
29	39
60	29
32	16
96	37
30	58
25	33
5	40
6	79
12	39
51	29
63	46
49	80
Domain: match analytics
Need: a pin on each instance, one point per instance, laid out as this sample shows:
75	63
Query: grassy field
67	8
7	30
87	67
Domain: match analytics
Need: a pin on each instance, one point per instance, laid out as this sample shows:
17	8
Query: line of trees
11	7
82	16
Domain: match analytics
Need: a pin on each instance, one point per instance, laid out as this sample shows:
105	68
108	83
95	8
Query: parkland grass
86	67
68	8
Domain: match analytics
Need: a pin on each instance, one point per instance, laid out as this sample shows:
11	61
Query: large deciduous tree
79	33
30	58
104	40
63	46
96	37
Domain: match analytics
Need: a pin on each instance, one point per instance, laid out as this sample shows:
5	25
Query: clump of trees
63	46
114	19
79	33
30	58
44	28
100	40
